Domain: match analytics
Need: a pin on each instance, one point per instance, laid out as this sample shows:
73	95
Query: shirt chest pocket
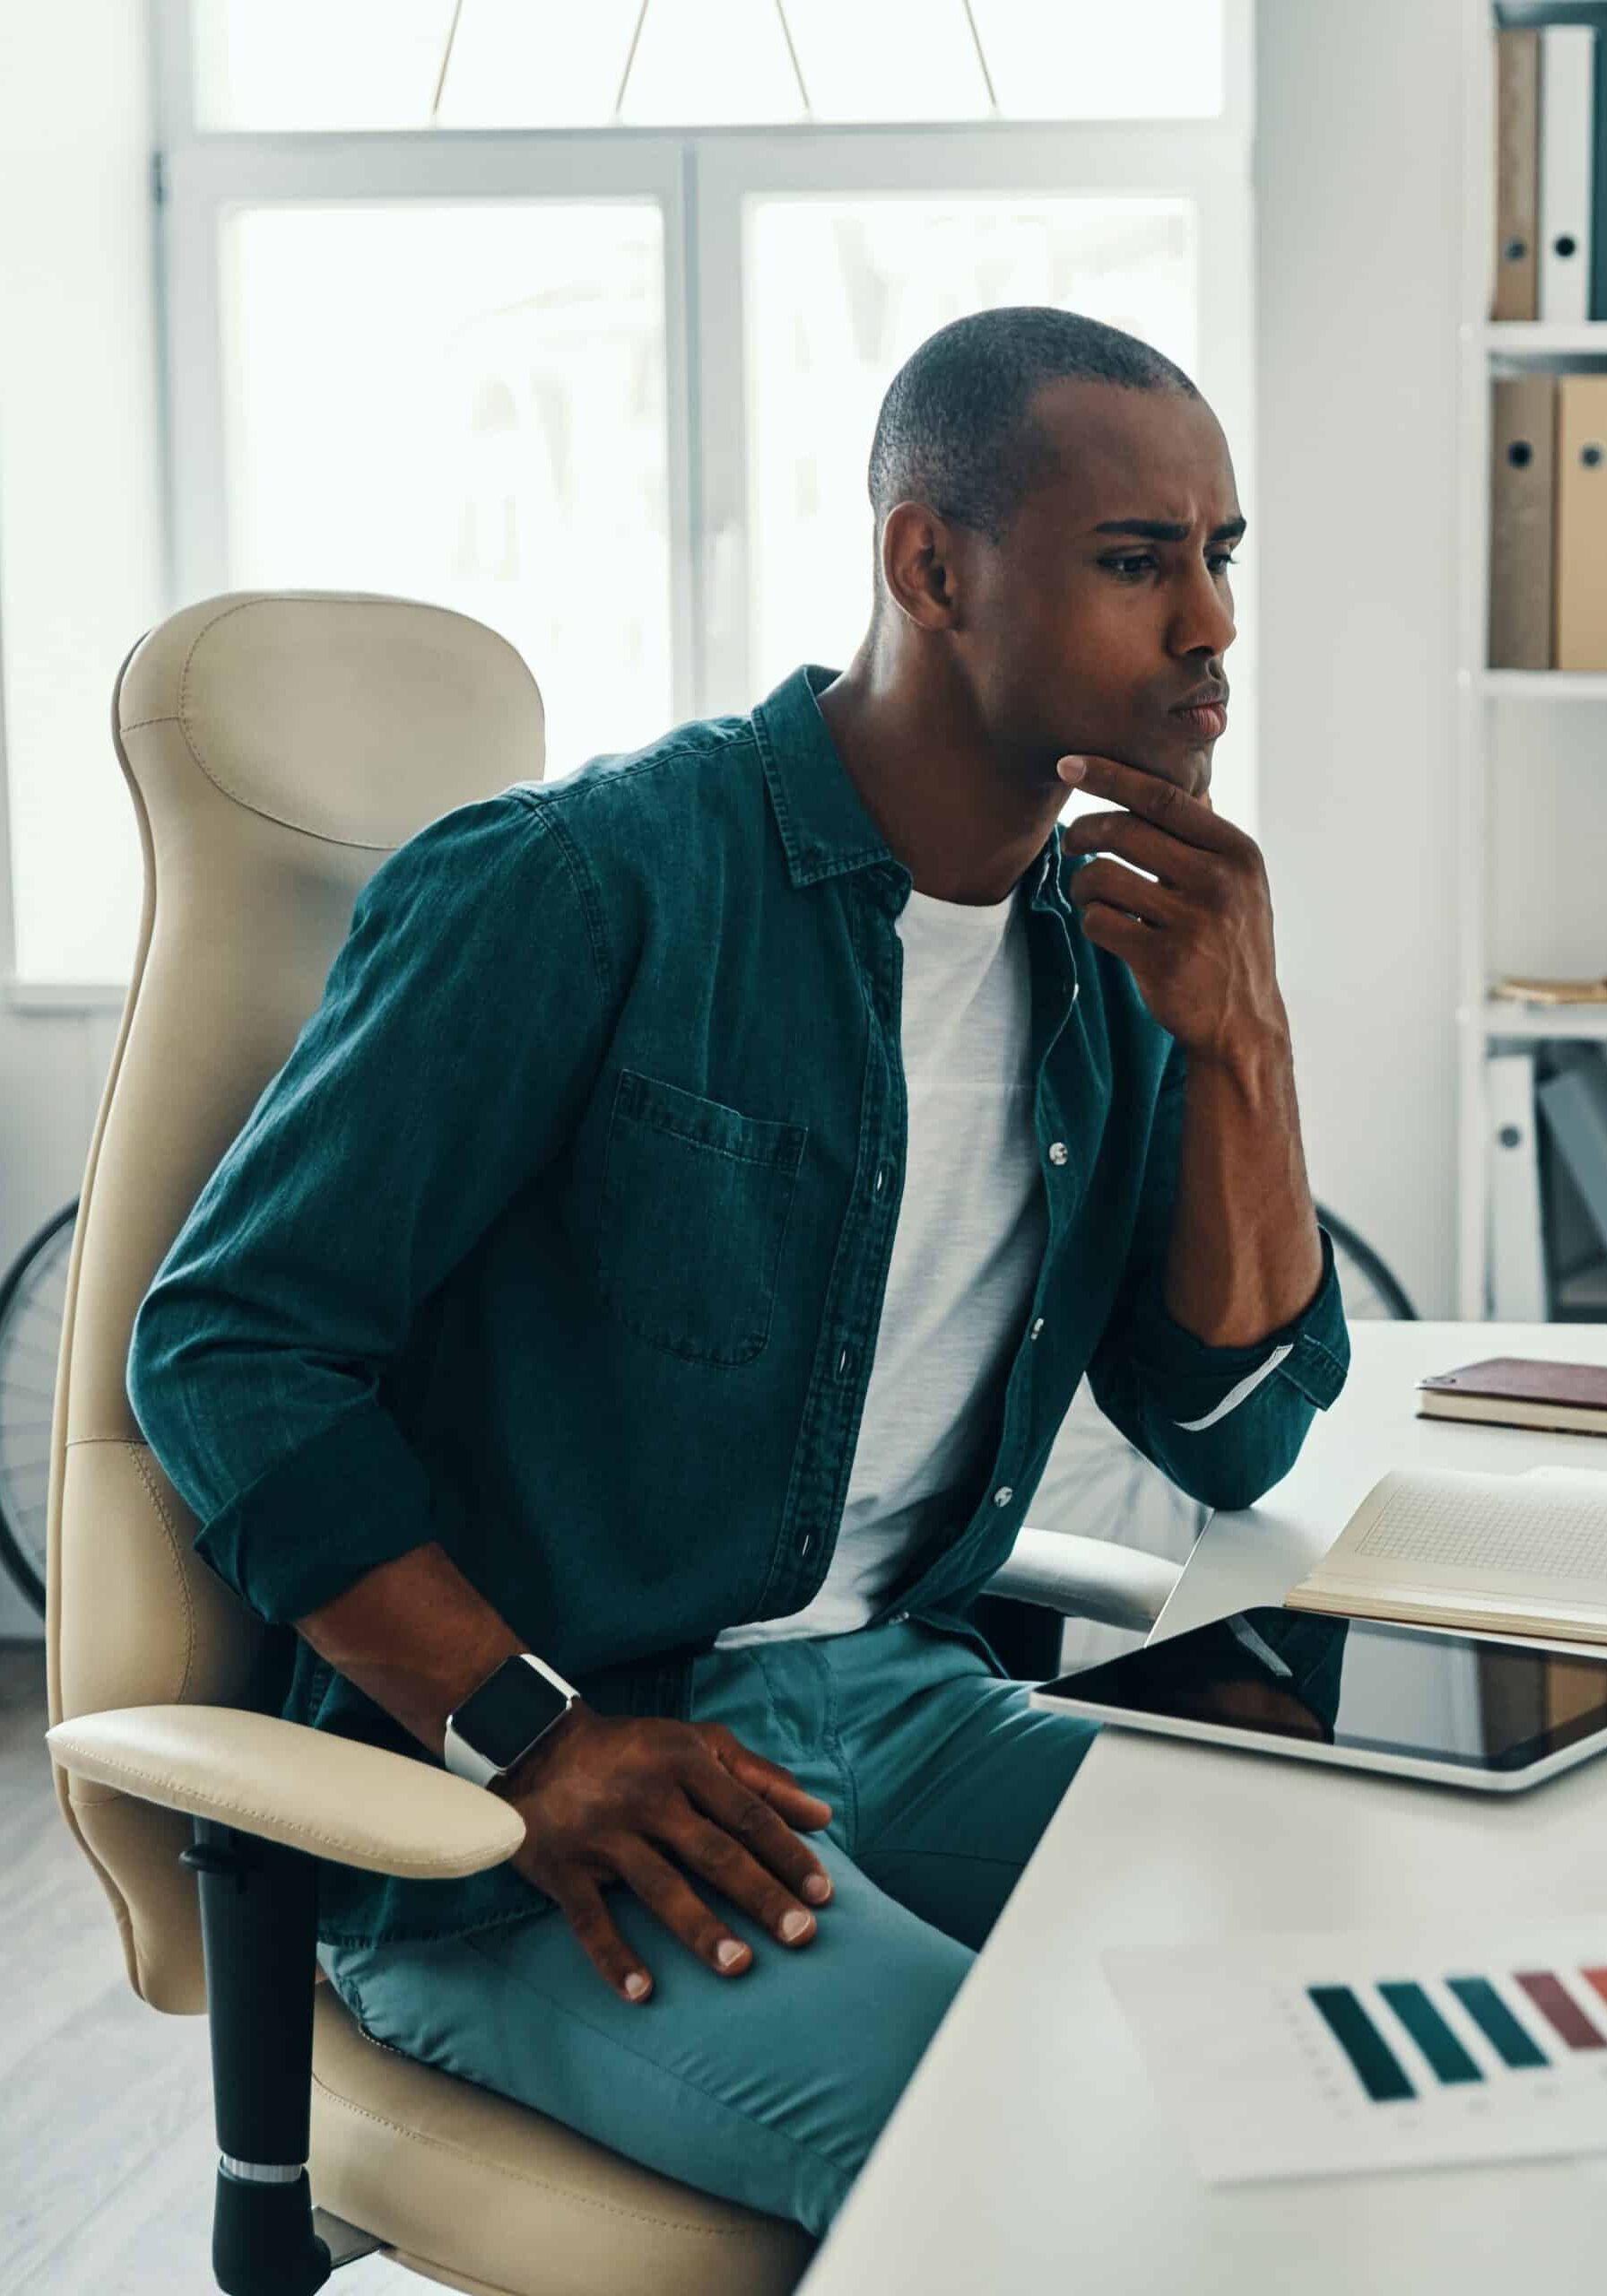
694	1207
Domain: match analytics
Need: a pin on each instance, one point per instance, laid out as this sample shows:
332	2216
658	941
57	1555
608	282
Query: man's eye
1140	559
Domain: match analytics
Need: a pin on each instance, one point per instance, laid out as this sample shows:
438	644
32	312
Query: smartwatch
499	1722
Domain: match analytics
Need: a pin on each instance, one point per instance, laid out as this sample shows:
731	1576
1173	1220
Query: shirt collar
826	830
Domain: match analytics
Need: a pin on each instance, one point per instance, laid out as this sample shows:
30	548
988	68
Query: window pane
1084	59
81	518
711	60
537	63
327	63
839	294
465	403
897	59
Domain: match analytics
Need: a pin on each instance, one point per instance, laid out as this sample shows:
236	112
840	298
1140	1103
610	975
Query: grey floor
106	2152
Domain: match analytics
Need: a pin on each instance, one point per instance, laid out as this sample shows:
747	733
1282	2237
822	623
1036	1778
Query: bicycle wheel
1370	1290
32	1300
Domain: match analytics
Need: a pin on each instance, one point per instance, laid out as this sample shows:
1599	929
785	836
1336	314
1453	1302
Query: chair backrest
277	746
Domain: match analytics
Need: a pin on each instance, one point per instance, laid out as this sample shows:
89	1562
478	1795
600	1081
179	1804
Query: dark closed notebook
1490	1387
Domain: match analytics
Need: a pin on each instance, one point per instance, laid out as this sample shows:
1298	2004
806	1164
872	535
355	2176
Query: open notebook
1500	1554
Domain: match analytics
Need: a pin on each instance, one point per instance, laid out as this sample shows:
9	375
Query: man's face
1080	639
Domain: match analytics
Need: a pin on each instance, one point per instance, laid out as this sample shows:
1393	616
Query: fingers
1139	841
581	1902
1177	811
720	1856
671	1896
1118	887
773	1779
761	1830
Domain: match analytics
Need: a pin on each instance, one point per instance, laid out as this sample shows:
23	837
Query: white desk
1029	2140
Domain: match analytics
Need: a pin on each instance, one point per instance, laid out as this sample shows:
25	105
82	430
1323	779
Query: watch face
506	1714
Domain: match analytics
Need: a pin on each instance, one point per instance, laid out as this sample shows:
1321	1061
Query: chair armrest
1086	1579
307	1790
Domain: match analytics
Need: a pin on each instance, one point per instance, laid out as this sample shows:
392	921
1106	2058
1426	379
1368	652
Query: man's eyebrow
1164	530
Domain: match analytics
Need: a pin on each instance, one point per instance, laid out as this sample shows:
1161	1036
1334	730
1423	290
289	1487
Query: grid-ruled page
1473	1529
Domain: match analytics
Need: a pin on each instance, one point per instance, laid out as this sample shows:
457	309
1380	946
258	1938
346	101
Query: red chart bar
1558	2006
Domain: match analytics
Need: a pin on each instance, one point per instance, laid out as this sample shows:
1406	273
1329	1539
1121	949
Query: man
672	1244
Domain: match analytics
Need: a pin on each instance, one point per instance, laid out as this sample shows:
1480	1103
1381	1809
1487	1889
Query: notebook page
1441	1528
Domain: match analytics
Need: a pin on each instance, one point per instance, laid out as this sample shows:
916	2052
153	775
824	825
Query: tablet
1463	1709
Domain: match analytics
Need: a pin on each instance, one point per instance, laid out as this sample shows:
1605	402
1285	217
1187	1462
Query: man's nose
1204	621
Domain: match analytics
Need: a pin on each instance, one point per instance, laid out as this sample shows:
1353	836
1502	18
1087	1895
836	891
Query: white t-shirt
972	1225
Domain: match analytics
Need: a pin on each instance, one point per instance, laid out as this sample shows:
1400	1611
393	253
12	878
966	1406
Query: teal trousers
768	2088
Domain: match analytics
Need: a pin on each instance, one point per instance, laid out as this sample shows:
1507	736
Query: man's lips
1209	719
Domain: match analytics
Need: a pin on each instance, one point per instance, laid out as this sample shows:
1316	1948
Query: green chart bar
1497	2022
1377	2067
1450	2061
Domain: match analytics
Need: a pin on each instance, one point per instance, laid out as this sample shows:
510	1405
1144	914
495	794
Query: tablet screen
1398	1690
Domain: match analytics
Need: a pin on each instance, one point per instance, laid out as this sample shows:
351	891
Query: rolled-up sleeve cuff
1195	1385
350	1496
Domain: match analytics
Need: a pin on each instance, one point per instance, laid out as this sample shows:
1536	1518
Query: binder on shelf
1581	584
1522	544
1517	1242
1516	269
1567	136
1576	1257
1598	206
1574	1107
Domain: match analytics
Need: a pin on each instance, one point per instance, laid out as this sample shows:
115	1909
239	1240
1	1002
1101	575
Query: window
422	63
483	424
577	320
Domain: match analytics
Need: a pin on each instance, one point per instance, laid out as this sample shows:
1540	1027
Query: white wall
79	475
1357	177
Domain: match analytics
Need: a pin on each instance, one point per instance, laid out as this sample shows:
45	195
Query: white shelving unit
1487	348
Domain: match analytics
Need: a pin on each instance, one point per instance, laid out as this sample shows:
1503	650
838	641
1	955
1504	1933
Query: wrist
461	1673
1258	1061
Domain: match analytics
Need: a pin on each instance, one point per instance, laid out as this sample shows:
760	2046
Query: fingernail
1070	769
636	1985
817	1888
728	1952
794	1924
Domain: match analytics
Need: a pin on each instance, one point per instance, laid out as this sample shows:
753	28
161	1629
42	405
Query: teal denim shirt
562	1236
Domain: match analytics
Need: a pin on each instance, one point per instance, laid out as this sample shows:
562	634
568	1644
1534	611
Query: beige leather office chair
276	747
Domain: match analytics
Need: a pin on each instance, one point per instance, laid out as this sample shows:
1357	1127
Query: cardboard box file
1581	605
1522	478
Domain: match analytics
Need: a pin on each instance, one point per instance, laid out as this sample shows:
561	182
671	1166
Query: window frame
696	172
700	176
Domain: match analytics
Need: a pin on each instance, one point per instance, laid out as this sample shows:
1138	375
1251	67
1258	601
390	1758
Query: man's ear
917	565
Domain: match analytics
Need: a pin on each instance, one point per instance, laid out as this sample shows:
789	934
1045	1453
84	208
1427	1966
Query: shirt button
1003	1495
1057	1152
1036	1326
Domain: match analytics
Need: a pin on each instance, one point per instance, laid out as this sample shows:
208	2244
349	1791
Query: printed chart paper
1326	2055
